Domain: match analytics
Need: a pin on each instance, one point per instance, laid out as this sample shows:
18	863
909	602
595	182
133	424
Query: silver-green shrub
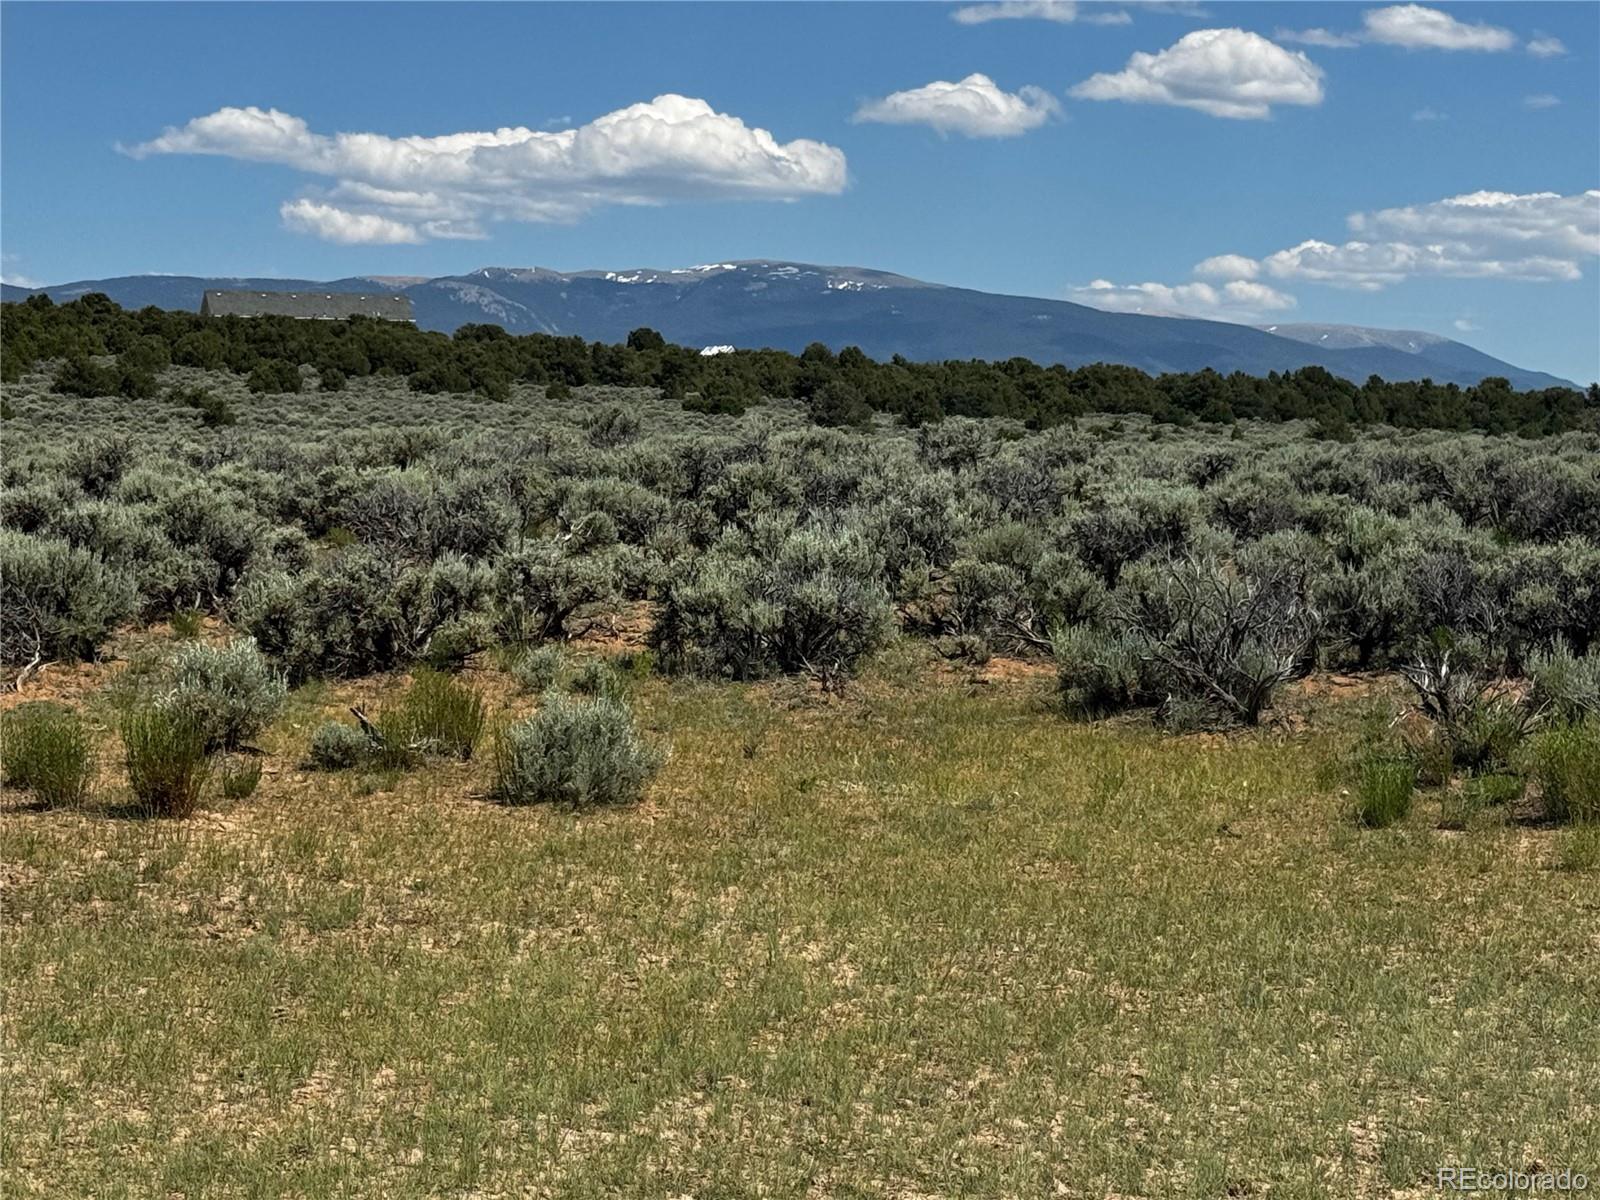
1566	683
57	601
580	753
336	746
231	691
784	600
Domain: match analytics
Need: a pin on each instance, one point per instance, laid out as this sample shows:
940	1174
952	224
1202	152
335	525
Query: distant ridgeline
838	389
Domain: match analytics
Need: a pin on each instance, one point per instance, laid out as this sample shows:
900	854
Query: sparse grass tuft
240	778
1579	848
186	623
596	677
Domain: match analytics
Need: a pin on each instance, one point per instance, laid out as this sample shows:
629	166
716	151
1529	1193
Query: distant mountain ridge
787	305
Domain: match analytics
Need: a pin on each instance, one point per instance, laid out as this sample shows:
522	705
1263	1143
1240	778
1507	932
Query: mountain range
787	305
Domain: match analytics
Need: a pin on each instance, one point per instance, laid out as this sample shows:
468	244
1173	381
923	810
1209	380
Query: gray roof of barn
315	306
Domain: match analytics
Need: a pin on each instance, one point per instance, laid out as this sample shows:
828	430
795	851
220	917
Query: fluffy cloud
1240	300
1222	72
414	188
1546	47
975	107
349	228
1542	100
1418	28
1228	266
1540	236
1372	266
1543	223
1063	12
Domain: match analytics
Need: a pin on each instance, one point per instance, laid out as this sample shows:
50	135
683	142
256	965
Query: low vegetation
952	780
167	759
578	753
46	750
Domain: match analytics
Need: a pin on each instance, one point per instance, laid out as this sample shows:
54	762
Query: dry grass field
924	940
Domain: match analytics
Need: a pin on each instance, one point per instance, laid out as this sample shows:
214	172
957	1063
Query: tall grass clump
439	715
232	692
168	763
46	749
1384	789
1565	760
579	753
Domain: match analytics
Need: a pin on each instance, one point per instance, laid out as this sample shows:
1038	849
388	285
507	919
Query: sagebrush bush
580	753
46	749
167	759
1220	638
336	746
57	601
230	691
596	677
1384	789
1566	762
1098	673
410	516
537	668
1566	683
541	589
789	600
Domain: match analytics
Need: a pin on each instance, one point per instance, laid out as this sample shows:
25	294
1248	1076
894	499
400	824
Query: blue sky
1161	157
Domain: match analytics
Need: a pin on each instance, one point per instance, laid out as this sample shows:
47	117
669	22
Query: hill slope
788	305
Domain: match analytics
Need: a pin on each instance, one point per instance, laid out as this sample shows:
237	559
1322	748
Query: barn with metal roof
309	306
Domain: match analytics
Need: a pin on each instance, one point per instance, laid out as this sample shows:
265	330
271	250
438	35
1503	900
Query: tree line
838	389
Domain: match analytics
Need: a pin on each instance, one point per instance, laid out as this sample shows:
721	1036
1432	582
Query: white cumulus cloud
1063	12
1239	300
1221	72
1544	223
1417	27
1372	266
1546	47
333	224
418	187
1228	266
1541	100
974	106
1538	236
